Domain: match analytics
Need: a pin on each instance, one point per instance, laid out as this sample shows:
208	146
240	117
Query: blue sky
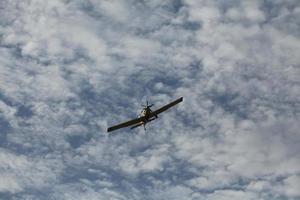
70	69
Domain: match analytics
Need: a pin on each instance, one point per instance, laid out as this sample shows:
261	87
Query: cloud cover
69	69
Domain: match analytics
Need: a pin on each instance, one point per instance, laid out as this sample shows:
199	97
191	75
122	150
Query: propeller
147	105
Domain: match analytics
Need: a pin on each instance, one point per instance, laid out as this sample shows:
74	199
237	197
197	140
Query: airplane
146	116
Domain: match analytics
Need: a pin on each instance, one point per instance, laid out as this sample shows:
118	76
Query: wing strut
125	124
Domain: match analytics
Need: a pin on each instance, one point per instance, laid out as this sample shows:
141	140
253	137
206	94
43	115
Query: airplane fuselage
146	113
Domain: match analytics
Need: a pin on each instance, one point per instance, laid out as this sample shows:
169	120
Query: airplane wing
164	108
125	124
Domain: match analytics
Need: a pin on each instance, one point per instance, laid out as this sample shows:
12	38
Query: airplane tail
142	123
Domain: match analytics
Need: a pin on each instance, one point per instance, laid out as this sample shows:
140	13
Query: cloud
20	173
228	194
10	184
177	192
69	69
290	185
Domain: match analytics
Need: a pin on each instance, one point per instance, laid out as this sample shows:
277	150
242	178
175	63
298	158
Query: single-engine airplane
146	116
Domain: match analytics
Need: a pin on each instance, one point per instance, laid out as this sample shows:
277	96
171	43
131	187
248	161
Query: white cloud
68	69
9	183
291	185
175	192
19	173
149	161
231	194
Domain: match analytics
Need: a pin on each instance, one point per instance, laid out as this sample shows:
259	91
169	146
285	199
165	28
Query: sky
69	69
